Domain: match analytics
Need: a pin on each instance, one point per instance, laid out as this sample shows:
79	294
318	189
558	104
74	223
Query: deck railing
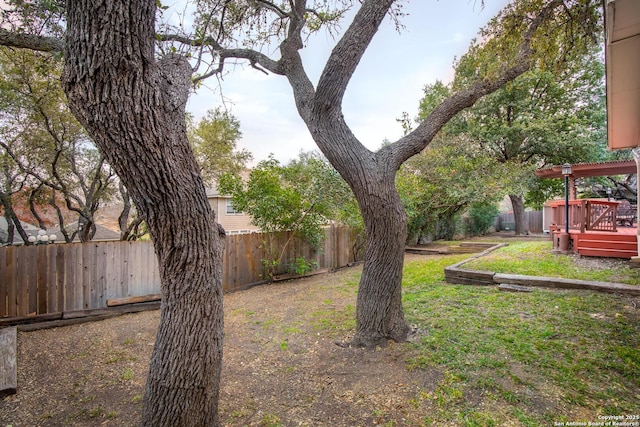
586	214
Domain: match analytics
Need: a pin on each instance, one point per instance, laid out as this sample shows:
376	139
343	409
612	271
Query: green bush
482	216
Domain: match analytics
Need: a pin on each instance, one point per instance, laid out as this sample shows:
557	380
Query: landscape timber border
454	274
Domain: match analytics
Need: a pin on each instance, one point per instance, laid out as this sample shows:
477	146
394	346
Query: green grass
270	420
127	374
534	357
334	322
535	258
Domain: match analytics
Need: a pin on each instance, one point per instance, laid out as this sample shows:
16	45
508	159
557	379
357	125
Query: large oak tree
525	31
550	115
132	104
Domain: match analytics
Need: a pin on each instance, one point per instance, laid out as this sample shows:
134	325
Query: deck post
563	243
636	157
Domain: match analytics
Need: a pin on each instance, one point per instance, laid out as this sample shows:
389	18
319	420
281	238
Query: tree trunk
13	222
521	226
10	229
379	311
134	108
32	207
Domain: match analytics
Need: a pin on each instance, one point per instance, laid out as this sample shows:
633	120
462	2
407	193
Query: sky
388	81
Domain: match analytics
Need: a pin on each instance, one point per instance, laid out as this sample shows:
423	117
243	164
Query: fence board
50	285
101	273
41	280
87	276
124	270
4	281
79	283
78	254
341	249
23	260
32	285
70	282
532	218
225	262
254	258
135	287
150	266
229	264
242	272
12	287
232	276
60	277
111	281
145	286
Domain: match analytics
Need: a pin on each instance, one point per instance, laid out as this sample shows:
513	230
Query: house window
230	209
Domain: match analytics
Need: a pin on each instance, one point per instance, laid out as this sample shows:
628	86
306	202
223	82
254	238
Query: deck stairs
606	245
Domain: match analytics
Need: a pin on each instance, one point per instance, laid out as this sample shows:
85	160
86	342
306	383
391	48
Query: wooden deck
597	227
622	243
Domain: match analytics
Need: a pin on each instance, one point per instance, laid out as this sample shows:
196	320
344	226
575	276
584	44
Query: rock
514	288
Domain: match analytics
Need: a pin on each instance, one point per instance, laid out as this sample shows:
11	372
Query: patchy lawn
536	258
527	359
480	358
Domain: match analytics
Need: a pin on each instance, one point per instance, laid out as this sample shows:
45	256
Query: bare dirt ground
278	368
281	366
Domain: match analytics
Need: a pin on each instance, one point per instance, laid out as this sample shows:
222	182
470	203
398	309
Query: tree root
371	343
361	342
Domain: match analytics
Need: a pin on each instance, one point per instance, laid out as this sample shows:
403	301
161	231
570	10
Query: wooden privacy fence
506	221
57	278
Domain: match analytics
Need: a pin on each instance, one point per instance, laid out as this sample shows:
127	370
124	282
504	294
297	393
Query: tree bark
519	217
134	108
13	222
379	311
32	207
371	176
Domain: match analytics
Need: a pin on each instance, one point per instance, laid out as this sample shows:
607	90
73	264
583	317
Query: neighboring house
232	221
103	234
30	229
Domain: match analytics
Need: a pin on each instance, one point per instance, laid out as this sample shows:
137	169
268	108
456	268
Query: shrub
482	216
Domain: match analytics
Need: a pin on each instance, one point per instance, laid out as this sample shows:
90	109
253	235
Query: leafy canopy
552	114
301	196
214	140
43	140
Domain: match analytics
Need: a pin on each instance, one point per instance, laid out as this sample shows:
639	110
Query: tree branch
418	139
193	42
32	206
256	60
303	90
346	55
30	41
272	7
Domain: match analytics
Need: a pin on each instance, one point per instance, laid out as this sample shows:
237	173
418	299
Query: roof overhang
580	170
622	52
